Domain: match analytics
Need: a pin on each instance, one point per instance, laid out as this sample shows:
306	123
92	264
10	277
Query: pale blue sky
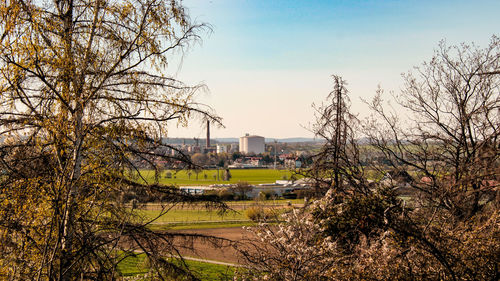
266	62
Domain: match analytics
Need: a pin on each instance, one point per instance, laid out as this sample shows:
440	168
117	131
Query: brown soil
222	249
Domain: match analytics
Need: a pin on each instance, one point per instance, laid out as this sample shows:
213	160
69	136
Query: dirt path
210	261
223	251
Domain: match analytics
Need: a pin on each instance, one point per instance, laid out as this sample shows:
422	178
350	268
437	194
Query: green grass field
207	177
191	215
197	217
137	265
235	205
200	225
133	265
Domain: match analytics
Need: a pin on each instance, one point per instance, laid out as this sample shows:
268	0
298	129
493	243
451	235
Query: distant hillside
270	140
227	140
190	141
290	140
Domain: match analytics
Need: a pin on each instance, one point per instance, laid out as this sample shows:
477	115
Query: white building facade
252	144
221	148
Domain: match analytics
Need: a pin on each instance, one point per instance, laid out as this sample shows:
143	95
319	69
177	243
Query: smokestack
208	134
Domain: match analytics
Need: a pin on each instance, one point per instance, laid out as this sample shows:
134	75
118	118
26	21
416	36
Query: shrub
270	194
258	213
226	194
289	195
261	196
303	193
254	213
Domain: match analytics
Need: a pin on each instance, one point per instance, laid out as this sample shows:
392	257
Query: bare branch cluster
420	201
337	164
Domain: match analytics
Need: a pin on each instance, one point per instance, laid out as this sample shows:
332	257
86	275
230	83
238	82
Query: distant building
194	149
196	190
253	161
252	144
221	148
209	150
292	162
233	148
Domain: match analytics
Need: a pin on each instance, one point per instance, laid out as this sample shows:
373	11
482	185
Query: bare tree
451	145
321	240
242	188
85	100
448	226
337	164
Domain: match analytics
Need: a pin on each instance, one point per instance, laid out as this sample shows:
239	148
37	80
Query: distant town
251	151
248	151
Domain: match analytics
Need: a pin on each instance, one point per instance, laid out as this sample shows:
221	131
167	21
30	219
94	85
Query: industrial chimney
208	133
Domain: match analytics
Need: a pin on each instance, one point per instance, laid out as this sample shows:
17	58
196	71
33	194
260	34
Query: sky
265	62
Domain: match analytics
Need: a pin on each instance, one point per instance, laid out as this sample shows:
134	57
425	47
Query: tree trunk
68	229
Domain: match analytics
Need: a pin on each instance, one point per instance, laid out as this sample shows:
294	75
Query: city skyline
266	62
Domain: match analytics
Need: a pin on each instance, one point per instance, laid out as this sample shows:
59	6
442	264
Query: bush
260	214
303	193
289	195
127	196
226	194
168	175
261	196
270	194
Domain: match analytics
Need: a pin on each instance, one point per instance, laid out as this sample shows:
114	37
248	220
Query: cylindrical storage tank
243	144
252	144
